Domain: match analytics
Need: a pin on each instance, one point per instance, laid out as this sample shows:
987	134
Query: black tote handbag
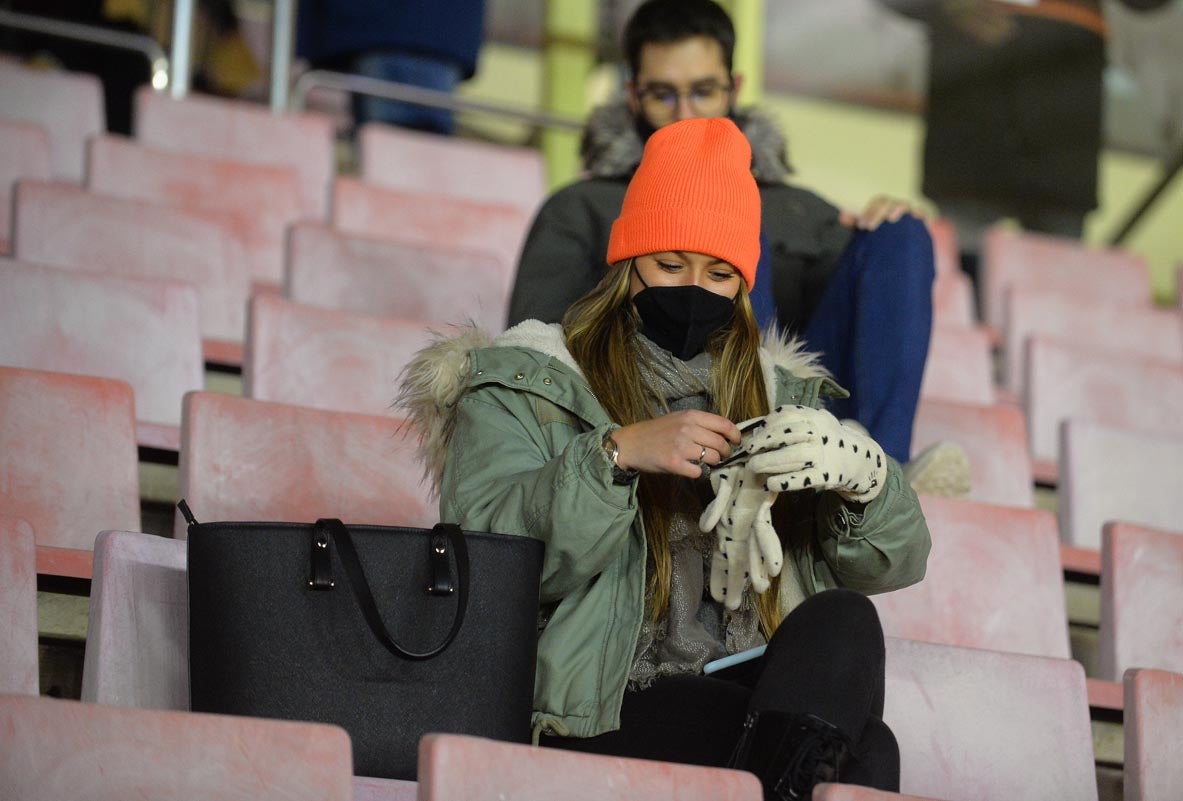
387	632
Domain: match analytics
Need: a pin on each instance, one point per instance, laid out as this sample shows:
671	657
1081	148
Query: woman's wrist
621	472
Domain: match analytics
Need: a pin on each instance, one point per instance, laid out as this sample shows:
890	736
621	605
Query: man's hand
881	209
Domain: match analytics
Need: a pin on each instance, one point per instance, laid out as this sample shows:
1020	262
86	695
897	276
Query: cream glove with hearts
747	544
801	448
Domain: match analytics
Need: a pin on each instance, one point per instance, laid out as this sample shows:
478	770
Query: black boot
790	753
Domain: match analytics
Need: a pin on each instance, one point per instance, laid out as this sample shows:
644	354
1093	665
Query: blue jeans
429	73
872	328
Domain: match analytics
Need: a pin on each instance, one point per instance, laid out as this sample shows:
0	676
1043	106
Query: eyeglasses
660	101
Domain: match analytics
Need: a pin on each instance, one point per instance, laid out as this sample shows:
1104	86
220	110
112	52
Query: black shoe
790	753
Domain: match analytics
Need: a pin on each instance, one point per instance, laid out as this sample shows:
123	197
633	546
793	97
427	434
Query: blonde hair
600	330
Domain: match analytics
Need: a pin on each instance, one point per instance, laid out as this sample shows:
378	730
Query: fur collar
611	147
437	377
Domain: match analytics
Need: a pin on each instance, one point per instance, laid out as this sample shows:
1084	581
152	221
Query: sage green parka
512	435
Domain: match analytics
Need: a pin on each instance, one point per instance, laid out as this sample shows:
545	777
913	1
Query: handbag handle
441	534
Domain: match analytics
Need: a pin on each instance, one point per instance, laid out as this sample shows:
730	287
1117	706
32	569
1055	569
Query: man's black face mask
681	319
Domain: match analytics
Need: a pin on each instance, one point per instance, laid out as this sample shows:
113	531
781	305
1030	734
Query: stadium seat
458	768
137	649
244	459
263	199
143	332
1070	381
68	105
68	455
995	442
1050	264
327	359
1153	730
52	749
240	131
945	250
1141	599
68	227
1154	333
1117	474
24	153
993	581
960	366
18	608
443	165
431	220
438	285
851	792
986	724
953	300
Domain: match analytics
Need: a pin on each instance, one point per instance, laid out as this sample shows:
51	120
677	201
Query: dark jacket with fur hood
564	254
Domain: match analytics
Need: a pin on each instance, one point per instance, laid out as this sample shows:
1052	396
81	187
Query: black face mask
681	319
646	129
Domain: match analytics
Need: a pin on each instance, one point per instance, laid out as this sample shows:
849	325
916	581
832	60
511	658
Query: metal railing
391	90
1170	170
139	43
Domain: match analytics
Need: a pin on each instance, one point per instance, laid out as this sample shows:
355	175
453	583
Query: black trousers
826	659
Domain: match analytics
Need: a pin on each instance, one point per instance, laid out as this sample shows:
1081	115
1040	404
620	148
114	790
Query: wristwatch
620	476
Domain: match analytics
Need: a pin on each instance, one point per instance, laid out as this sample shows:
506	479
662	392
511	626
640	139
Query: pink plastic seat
68	227
68	105
69	458
458	768
987	724
953	300
1149	332
438	285
137	652
1050	264
143	332
431	220
995	442
18	608
445	165
137	646
851	792
52	749
1146	487
24	153
327	359
994	581
960	366
1141	600
233	129
264	199
1153	730
249	460
945	251
1069	381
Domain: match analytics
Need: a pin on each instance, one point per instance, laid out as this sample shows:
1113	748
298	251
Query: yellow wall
849	153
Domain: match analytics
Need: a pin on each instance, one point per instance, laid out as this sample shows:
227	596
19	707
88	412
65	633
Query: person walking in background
432	44
606	437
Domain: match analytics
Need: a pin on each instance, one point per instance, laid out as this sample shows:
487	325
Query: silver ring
702	456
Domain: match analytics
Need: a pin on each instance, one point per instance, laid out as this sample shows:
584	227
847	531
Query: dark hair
668	21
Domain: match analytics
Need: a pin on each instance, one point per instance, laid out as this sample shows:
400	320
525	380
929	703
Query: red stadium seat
52	749
1153	730
241	131
249	460
24	153
68	452
327	359
68	105
953	300
439	285
960	366
18	608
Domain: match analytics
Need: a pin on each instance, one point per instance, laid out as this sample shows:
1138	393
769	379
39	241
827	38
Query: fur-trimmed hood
611	146
438	376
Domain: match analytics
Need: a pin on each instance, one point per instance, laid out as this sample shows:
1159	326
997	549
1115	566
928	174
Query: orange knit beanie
693	192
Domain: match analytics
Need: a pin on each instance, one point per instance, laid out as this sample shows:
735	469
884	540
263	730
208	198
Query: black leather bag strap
442	533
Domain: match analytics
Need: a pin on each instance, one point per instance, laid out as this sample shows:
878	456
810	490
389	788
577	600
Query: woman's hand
677	443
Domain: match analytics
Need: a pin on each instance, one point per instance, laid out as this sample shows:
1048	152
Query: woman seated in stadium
695	498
